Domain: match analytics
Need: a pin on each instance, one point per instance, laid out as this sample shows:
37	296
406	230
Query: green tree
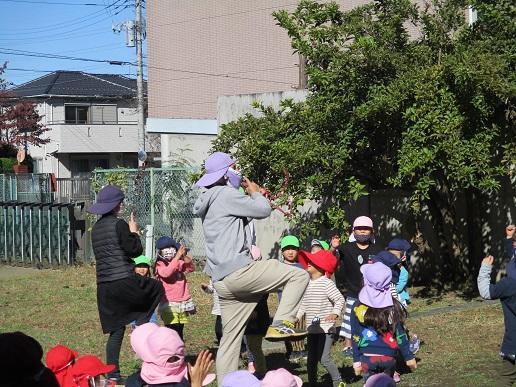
429	111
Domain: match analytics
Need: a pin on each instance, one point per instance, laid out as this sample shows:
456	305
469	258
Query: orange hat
323	259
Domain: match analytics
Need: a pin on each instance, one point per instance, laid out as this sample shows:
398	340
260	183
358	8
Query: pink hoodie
172	276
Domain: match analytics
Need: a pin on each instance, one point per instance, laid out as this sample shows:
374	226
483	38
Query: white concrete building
92	119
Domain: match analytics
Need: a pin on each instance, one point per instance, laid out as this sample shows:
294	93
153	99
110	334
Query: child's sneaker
414	344
339	384
284	331
347	352
396	377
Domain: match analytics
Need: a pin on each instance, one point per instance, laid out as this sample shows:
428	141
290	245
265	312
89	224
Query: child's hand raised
133	226
412	364
200	370
488	260
181	252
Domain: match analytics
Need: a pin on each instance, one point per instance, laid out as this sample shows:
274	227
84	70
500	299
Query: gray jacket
225	214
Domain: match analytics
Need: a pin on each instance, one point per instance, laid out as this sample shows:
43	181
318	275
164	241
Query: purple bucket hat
380	380
107	199
376	292
216	166
240	379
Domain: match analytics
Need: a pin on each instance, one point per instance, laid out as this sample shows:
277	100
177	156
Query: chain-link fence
27	187
162	198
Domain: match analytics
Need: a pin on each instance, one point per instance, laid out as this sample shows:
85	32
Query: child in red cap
322	303
60	360
87	370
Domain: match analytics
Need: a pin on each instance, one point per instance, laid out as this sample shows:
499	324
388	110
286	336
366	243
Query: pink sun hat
156	346
281	378
139	339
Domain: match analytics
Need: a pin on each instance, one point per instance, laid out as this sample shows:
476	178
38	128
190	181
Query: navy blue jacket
505	290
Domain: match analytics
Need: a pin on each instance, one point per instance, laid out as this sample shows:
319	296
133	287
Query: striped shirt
321	299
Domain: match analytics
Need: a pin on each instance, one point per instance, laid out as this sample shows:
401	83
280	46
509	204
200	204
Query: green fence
162	198
27	187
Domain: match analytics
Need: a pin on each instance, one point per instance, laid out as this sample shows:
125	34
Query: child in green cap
142	266
295	350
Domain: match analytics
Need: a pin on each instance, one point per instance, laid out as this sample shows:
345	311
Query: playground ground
461	336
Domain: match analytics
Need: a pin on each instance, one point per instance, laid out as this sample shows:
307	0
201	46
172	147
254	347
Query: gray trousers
239	293
319	347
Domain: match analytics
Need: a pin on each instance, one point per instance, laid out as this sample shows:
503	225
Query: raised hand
488	260
200	370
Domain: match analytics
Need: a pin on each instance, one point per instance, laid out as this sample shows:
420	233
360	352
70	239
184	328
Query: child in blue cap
172	265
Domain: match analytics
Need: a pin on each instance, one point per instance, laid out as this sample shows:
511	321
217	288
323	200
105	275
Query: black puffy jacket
114	247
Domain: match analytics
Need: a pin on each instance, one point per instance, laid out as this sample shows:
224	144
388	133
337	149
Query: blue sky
51	27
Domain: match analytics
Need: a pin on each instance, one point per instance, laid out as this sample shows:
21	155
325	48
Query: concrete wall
193	148
389	209
232	107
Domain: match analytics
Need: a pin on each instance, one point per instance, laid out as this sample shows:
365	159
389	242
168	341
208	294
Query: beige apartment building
201	50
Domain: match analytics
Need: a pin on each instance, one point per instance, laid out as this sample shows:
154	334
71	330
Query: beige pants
239	293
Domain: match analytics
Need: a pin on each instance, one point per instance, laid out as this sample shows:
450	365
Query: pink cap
139	340
363	221
281	378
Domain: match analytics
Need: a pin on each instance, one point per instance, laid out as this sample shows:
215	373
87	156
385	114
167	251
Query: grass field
59	306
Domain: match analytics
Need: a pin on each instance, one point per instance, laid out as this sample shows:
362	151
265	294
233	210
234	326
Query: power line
220	75
111	61
74	21
65	34
9	51
52	3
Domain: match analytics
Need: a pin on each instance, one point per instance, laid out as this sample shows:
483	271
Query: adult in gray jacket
239	280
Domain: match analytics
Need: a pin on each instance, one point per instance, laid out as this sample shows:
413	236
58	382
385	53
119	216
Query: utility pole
139	77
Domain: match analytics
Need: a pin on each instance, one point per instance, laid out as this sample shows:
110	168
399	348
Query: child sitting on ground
322	304
294	349
377	325
172	265
163	354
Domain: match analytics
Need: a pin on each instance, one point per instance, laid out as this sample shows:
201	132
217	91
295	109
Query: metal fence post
152	198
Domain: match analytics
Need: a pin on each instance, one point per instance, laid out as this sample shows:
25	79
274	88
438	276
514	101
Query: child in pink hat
163	355
377	325
351	256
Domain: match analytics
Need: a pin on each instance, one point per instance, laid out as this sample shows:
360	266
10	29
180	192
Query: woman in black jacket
122	295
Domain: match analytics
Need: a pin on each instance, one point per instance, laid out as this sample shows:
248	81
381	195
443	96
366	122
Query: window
91	114
76	114
103	114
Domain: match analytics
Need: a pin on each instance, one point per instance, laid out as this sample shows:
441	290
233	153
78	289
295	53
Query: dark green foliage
429	111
